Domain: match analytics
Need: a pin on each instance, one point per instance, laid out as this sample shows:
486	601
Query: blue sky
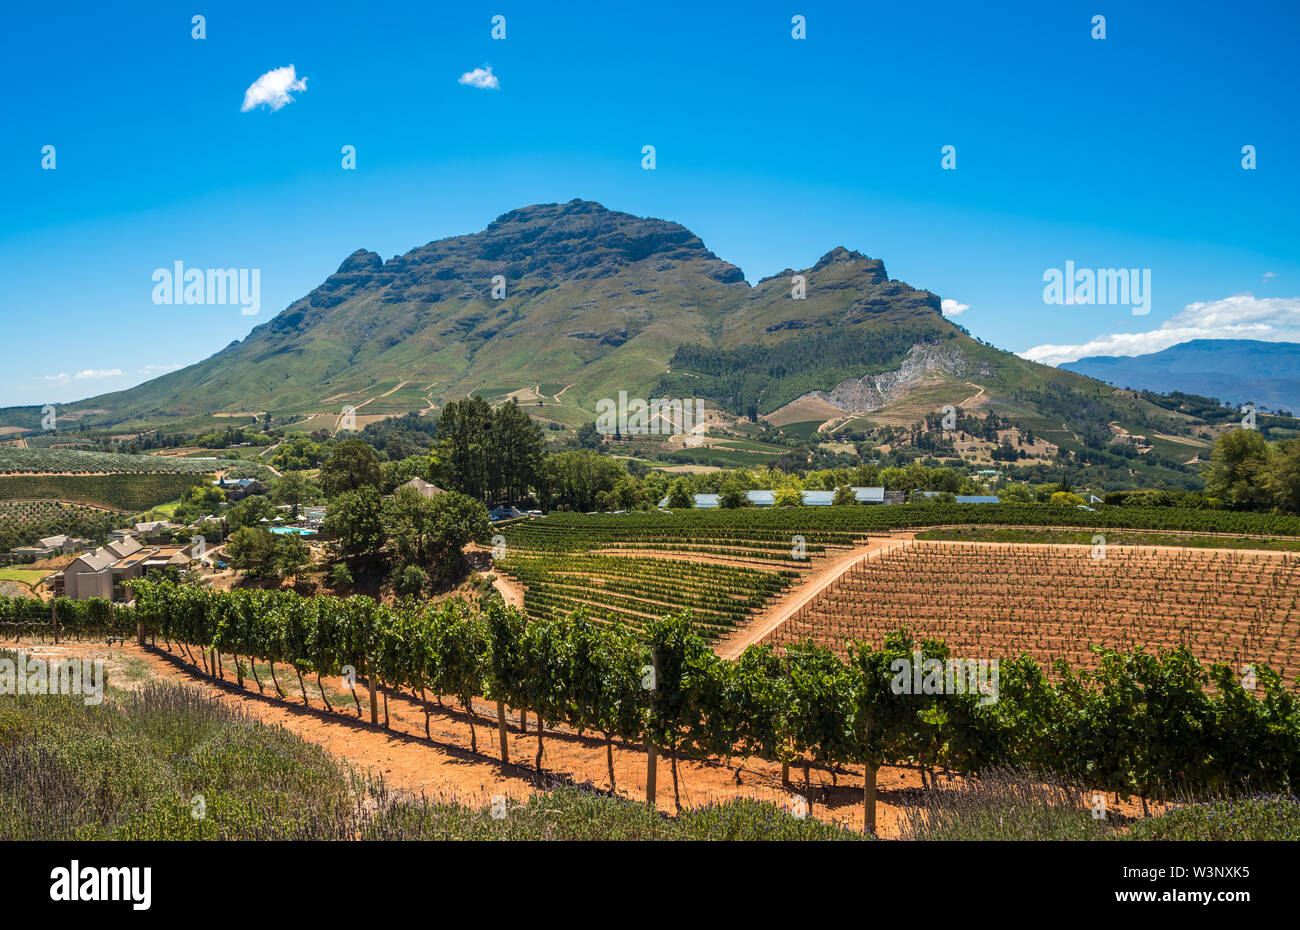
1122	152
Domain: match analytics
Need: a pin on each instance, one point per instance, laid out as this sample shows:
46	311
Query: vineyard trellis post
370	686
501	724
54	622
651	751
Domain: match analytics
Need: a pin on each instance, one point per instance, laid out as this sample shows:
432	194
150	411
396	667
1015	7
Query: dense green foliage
761	378
770	529
1155	725
129	492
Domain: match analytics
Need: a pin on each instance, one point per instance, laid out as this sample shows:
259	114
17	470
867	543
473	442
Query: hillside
1234	370
597	302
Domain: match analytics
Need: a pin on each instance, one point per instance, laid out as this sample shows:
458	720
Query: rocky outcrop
871	392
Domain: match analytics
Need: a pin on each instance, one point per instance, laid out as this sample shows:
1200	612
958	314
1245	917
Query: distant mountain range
558	306
1234	370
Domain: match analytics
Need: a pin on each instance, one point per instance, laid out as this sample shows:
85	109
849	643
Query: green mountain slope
597	302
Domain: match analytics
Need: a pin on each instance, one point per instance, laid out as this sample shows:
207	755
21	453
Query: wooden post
501	725
139	632
651	751
650	774
869	799
374	697
54	621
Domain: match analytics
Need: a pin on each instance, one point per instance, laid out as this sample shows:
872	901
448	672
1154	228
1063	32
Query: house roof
92	561
976	499
424	488
810	498
122	548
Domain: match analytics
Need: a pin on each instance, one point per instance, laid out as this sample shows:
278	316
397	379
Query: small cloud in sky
272	89
480	77
952	308
90	373
153	369
1270	274
1243	316
60	378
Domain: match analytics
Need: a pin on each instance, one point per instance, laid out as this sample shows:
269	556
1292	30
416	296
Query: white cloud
272	89
952	308
480	77
1271	319
98	373
1270	274
151	369
61	377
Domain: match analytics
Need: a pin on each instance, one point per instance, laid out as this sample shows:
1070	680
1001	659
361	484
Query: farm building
810	498
102	572
968	498
238	488
49	546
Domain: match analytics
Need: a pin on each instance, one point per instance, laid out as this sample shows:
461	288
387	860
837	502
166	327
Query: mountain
596	302
1233	370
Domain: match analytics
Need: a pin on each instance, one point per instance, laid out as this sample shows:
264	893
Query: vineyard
729	564
1138	723
15	461
1055	602
762	527
637	590
131	493
40	512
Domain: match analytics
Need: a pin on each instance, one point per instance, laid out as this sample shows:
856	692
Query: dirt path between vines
784	607
443	766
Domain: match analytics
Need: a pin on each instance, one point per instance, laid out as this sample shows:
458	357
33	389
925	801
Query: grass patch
1266	817
28	576
131	768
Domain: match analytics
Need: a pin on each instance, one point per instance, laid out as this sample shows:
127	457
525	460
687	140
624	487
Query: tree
679	498
574	479
464	429
294	490
844	496
732	496
1238	472
298	454
290	555
252	550
432	532
251	511
1284	475
412	580
788	497
1065	499
1016	494
352	465
355	522
945	479
514	451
